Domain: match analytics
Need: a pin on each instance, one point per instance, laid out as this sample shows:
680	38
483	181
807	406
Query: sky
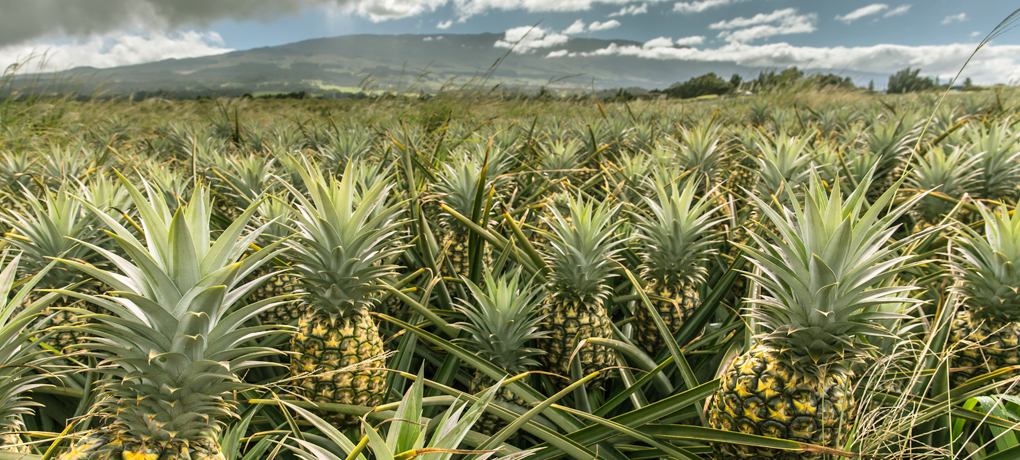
848	36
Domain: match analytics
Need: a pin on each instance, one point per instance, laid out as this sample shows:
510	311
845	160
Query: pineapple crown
581	250
952	173
343	241
989	265
176	338
52	228
675	236
784	162
1000	170
458	187
242	180
821	274
702	150
19	351
502	319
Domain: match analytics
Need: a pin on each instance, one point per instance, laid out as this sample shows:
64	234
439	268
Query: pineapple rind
763	395
684	299
570	322
326	345
983	346
107	444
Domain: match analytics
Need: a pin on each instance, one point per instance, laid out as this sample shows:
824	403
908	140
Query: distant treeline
905	81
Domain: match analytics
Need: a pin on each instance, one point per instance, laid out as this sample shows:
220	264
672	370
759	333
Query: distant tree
871	86
909	81
705	85
736	80
968	83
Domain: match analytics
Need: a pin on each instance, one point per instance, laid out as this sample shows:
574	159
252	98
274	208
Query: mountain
403	62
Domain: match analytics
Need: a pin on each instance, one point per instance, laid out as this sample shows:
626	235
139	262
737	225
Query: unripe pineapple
674	242
952	173
986	331
828	265
502	320
343	241
581	259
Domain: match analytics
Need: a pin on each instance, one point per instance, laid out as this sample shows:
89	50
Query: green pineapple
502	320
175	340
339	253
816	280
674	243
581	259
999	166
986	330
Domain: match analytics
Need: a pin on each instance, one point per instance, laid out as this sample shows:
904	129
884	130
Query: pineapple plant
19	356
52	227
999	167
457	188
502	321
674	242
240	181
952	173
819	281
986	332
702	151
276	214
175	341
581	257
339	254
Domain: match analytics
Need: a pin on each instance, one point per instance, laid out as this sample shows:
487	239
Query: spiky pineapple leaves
819	272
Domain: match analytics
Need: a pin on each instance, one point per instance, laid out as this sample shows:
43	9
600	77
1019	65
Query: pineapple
999	167
457	188
502	320
174	343
338	253
795	383
49	228
581	259
675	241
986	331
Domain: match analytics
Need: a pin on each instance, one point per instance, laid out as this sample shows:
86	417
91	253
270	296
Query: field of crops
467	277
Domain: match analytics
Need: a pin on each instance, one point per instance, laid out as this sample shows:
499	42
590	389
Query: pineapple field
809	274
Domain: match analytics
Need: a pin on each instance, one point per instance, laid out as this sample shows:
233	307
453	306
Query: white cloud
975	34
688	41
556	54
632	10
467	8
658	43
528	39
993	64
902	9
863	11
702	5
600	26
117	49
955	18
383	10
427	39
575	28
780	22
445	24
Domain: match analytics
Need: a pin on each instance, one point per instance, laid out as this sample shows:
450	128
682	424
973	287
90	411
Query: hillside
413	62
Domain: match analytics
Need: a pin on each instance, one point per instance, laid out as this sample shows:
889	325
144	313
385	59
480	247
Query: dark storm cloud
21	21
